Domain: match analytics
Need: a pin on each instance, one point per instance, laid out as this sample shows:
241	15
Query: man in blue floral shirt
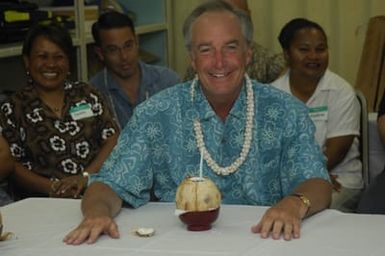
257	142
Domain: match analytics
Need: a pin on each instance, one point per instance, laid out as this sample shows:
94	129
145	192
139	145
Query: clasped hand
69	187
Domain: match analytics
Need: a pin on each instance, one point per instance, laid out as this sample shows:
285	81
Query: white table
40	225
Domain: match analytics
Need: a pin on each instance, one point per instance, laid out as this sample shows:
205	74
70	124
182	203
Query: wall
180	10
343	20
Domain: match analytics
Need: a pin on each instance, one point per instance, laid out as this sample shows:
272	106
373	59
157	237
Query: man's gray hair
213	6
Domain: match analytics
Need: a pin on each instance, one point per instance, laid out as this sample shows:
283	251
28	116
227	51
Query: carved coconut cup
199	199
199	221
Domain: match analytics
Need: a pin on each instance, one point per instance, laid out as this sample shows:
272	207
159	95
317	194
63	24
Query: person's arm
285	217
70	186
381	128
381	119
31	181
100	205
6	160
302	172
343	125
35	183
104	152
74	185
336	149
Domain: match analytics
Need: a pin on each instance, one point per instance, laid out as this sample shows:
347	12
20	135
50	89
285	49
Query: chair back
364	145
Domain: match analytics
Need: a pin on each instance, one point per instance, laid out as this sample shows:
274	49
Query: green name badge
81	111
319	113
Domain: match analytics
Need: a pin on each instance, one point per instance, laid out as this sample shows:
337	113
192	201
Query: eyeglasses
114	50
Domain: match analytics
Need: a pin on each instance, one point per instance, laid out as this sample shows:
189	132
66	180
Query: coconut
6	235
197	194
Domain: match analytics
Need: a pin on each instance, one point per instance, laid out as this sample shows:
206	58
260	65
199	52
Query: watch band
304	200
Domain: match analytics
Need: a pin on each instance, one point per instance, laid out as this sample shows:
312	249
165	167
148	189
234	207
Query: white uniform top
335	111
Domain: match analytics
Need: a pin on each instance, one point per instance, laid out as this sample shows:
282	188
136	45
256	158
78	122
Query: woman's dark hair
55	33
288	31
109	20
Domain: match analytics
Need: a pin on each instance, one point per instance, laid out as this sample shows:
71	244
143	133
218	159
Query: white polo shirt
335	111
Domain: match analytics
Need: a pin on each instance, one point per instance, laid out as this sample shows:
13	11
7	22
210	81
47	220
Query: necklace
248	136
111	101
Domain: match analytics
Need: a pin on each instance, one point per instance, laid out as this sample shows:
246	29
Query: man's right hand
90	229
99	205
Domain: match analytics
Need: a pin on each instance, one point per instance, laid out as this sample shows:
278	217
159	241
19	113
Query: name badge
319	113
81	111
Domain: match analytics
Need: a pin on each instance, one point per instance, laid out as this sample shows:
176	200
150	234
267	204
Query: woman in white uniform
333	106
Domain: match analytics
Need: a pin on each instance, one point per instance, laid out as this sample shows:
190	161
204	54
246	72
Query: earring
29	78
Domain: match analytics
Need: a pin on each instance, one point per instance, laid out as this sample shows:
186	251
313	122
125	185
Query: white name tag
319	113
81	111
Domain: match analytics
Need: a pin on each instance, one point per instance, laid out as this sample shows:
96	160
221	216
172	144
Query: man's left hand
284	219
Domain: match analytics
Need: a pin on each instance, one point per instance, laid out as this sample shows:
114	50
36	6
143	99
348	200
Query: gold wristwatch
304	200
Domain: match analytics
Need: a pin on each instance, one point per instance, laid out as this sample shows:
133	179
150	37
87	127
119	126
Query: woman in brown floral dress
58	131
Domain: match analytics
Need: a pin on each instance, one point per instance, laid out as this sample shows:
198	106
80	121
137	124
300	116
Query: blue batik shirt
157	148
152	80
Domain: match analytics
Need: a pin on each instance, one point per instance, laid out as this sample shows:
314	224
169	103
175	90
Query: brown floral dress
56	147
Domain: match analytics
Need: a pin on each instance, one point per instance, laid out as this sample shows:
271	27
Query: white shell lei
247	137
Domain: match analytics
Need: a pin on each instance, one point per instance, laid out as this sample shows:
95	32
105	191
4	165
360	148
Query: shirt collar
112	84
146	81
324	84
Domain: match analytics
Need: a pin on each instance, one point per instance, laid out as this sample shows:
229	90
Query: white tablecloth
40	225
